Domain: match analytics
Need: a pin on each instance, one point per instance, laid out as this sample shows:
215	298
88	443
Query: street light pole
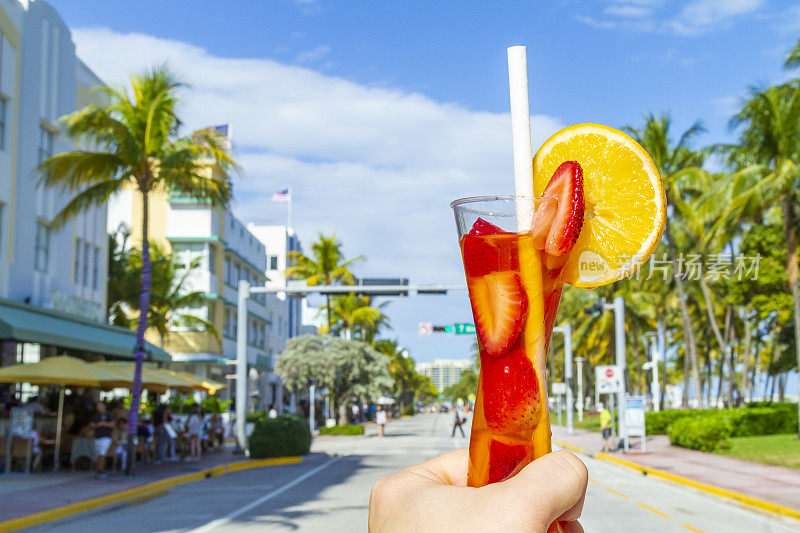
566	329
241	364
619	344
312	389
579	362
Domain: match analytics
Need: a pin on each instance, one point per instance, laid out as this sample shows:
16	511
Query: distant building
444	372
52	281
284	313
227	252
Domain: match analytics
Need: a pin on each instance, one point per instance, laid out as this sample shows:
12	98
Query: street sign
425	328
559	388
634	420
608	379
464	329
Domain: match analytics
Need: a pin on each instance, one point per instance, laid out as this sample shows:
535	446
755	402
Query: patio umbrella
64	371
152	378
198	383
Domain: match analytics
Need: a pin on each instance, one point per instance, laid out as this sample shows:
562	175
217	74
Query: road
329	492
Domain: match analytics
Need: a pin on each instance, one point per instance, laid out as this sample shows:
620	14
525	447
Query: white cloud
702	16
313	55
696	17
378	166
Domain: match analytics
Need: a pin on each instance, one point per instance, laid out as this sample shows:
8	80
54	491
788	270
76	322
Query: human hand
433	496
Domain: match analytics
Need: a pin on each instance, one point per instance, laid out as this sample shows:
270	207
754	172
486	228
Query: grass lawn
589	422
781	450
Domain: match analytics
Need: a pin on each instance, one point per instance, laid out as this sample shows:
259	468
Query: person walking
381	419
161	435
103	425
194	428
459	420
605	427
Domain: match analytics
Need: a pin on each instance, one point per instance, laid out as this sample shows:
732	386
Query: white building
52	280
444	372
284	313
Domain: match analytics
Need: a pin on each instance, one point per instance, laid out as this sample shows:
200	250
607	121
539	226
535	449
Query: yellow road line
690	528
592	480
763	505
570	447
612	491
141	493
656	511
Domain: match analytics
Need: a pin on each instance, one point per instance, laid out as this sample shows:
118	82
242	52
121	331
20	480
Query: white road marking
218	523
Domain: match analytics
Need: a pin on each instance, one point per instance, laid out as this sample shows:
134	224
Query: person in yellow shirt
605	427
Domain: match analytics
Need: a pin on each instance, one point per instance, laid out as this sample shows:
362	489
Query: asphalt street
330	490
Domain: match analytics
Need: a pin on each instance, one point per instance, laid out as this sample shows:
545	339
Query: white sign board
608	379
559	388
425	328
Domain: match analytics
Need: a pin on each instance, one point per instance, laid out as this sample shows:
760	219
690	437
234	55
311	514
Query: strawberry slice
504	459
480	255
510	392
558	219
499	305
481	227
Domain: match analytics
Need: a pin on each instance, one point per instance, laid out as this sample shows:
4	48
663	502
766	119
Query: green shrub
700	433
762	418
212	404
280	437
344	429
255	416
408	410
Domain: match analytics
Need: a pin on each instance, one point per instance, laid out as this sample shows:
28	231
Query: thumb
551	487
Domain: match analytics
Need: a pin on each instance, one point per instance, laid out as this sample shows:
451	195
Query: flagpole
289	216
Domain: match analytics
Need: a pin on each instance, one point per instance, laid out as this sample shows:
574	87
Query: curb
137	494
762	505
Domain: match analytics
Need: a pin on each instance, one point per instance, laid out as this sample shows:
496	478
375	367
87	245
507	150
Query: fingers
448	469
552	487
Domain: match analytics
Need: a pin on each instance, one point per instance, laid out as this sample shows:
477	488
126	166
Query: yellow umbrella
62	370
152	379
198	383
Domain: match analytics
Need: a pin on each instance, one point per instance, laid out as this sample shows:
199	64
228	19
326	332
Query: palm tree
402	368
671	158
766	164
351	312
325	266
135	136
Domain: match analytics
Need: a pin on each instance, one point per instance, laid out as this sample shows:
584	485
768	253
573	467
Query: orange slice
625	203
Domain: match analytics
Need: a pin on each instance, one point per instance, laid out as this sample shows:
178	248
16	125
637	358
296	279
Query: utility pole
619	344
241	365
312	389
566	329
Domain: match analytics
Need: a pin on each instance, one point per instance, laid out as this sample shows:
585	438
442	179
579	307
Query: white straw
521	134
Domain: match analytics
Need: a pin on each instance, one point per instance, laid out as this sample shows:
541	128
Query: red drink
514	290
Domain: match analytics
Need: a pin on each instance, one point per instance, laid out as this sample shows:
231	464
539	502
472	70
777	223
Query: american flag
280	197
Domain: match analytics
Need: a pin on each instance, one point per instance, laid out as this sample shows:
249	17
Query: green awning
26	323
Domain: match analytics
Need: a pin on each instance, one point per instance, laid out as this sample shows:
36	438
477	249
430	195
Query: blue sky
380	113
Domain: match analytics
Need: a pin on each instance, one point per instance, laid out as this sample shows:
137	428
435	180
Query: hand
433	496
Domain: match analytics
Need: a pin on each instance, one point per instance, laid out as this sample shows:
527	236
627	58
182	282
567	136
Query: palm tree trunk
328	311
791	272
688	331
144	305
748	337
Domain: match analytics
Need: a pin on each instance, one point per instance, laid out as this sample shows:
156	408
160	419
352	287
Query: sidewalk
22	495
771	483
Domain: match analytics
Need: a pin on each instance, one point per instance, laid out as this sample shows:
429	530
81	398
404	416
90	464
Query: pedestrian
605	427
194	427
433	494
35	407
459	420
355	413
162	437
103	425
380	419
217	429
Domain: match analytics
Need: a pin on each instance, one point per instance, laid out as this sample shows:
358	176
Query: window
3	119
96	270
227	271
45	143
212	260
236	273
1	227
87	256
41	247
76	266
273	262
226	325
